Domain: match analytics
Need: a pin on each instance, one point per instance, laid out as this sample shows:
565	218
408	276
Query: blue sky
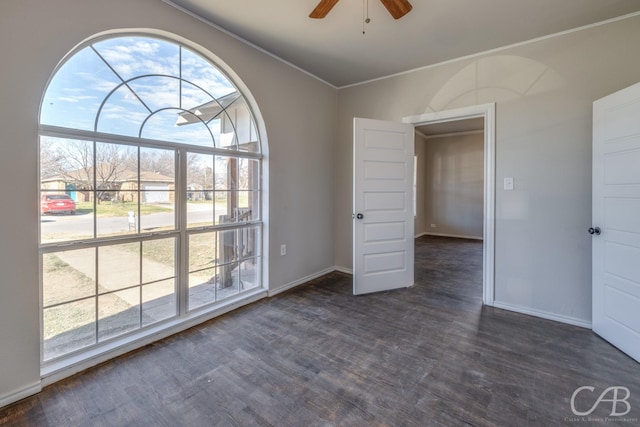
152	69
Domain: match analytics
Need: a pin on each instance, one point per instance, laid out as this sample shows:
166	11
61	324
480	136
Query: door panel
616	208
383	188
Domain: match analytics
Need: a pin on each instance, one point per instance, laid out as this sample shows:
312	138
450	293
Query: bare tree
158	161
50	158
73	161
200	173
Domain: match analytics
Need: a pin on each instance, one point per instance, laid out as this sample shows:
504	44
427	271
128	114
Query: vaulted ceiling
335	49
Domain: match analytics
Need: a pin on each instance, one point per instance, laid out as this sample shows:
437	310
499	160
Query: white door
383	205
616	219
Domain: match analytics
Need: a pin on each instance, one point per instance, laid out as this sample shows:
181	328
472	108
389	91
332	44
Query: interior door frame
488	112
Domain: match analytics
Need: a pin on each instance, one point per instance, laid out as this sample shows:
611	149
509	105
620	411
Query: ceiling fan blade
322	9
397	8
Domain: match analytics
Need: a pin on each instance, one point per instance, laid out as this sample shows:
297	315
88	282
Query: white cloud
137	56
74	99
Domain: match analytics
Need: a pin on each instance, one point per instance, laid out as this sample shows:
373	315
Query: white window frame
74	361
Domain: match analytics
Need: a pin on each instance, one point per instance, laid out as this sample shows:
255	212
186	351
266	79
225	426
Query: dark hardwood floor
319	356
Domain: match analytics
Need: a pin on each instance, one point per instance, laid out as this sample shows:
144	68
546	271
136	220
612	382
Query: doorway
470	119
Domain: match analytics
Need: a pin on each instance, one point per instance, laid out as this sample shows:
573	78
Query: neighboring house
122	185
155	188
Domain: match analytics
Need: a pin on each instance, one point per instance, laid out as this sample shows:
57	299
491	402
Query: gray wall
544	93
453	169
300	117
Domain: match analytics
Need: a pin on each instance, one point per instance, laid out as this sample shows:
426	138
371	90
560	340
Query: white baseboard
21	394
344	270
543	314
298	282
456	236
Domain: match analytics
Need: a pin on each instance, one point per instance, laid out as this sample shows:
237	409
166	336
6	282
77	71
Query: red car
57	203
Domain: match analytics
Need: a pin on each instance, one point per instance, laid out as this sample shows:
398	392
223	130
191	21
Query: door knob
595	231
359	216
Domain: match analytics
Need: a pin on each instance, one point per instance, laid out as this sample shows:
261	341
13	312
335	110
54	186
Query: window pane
248	242
62	218
158	301
223	209
118	313
203	248
68	327
122	113
117	168
76	91
157	181
118	266
158	260
199	171
66	183
194	97
242	124
157	92
200	72
174	126
68	276
157	209
249	274
226	173
228	280
248	174
199	209
227	247
246	206
200	174
159	162
114	216
228	138
135	56
65	162
202	288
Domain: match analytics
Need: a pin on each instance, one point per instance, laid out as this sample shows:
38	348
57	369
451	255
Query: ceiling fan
397	8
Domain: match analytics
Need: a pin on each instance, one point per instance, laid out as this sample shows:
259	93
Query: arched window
150	192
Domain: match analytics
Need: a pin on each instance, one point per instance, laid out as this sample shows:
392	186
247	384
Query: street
56	228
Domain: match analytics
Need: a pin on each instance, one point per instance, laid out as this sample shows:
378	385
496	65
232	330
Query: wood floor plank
319	356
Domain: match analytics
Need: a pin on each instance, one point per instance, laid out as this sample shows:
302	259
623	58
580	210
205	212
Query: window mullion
181	220
79	134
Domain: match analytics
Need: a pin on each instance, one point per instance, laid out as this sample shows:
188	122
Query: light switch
508	183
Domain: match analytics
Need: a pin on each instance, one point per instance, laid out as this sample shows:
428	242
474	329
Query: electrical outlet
283	250
433	226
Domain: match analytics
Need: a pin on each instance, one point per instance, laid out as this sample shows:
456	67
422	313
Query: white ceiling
335	50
